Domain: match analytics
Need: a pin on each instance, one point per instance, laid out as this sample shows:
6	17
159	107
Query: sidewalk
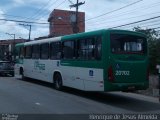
143	97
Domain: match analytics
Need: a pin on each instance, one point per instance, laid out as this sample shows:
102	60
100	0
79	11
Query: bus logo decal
39	66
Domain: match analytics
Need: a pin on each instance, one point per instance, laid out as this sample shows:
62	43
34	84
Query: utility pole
14	56
76	28
30	26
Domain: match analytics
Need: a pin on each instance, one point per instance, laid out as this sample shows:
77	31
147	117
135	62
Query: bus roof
19	44
97	32
43	41
129	31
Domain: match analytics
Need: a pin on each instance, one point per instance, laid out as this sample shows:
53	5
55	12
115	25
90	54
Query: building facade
7	48
63	22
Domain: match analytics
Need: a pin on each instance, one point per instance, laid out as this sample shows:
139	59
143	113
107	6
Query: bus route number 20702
118	72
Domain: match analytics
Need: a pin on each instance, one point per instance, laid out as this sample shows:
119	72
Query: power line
70	1
142	25
54	8
21	17
37	13
132	11
66	24
23	21
136	22
41	10
32	17
31	22
60	4
140	21
99	23
99	15
114	10
35	16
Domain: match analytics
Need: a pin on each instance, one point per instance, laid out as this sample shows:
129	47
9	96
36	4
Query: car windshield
5	65
124	43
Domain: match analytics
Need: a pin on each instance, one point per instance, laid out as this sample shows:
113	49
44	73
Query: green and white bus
103	60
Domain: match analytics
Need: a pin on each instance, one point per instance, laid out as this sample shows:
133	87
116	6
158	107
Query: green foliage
153	46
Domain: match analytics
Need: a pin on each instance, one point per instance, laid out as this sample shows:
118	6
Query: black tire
58	81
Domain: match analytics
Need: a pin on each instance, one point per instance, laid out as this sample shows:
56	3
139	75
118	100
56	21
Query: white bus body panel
75	77
44	74
79	78
91	82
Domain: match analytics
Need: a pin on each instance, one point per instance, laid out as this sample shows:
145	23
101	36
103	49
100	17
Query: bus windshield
124	43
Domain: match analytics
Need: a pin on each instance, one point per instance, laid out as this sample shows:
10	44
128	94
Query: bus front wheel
58	81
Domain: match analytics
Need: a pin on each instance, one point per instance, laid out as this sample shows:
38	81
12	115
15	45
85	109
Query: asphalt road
35	97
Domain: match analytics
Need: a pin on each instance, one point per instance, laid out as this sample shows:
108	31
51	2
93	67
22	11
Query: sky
99	14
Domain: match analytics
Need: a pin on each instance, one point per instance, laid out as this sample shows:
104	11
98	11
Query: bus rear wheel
58	81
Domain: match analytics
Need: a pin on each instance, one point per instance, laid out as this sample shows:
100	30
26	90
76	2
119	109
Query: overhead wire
42	10
20	21
110	21
113	10
123	25
130	11
54	8
90	18
142	25
135	22
132	23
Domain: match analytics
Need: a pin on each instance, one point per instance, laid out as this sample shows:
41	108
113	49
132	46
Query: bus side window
89	48
44	51
81	49
17	52
68	50
86	49
35	51
28	52
98	48
21	52
55	50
